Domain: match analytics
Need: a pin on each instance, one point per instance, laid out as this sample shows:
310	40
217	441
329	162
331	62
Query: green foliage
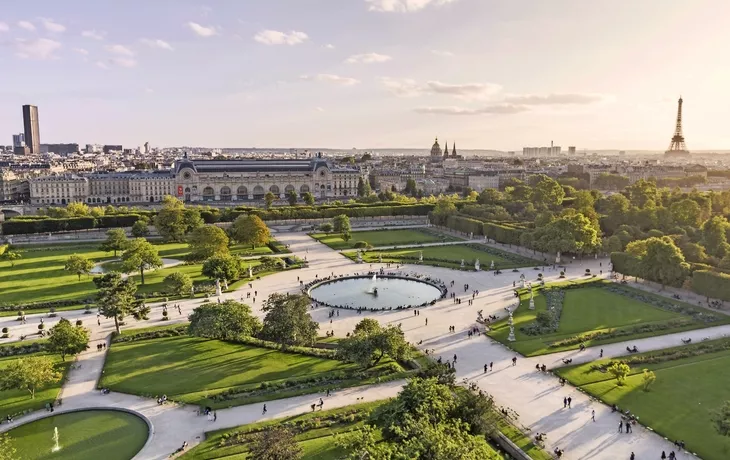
292	197
341	224
7	447
207	241
67	339
29	374
287	320
308	198
140	255
11	256
370	342
721	419
115	241
174	221
223	267
648	378
547	192
78	265
572	233
116	298
714	235
711	284
250	230
326	227
686	212
269	199
275	443
178	283
619	371
140	229
229	320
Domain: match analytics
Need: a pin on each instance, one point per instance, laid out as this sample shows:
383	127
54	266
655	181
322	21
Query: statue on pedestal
218	287
477	265
491	266
532	299
511	337
250	271
522	281
420	256
359	256
462	263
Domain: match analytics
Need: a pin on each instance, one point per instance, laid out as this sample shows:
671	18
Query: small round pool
88	434
375	293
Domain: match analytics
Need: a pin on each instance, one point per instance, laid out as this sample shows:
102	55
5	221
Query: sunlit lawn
382	238
449	256
13	402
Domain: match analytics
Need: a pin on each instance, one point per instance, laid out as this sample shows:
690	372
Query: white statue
462	263
250	271
477	265
359	256
380	258
491	266
218	287
420	256
532	299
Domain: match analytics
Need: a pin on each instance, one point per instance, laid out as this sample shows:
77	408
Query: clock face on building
321	173
186	175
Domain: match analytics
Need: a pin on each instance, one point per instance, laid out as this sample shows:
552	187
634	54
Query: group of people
161	400
101	346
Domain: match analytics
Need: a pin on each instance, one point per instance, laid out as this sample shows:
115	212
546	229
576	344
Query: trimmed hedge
711	284
17	226
503	233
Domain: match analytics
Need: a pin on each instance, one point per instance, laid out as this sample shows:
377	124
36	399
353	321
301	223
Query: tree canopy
174	221
116	297
140	255
228	320
29	373
370	342
207	241
287	320
78	265
67	339
223	267
116	240
250	230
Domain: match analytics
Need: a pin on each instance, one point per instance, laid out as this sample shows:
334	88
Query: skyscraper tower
677	146
32	132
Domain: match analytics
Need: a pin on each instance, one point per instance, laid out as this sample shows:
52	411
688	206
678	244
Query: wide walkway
536	397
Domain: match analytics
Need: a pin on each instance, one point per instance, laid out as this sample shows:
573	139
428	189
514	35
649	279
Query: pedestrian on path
426	321
215	416
491	365
486	368
565	403
313	406
264	411
621	426
514	361
593	415
633	457
569	401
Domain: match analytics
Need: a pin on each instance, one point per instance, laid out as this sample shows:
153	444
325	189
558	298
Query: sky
486	74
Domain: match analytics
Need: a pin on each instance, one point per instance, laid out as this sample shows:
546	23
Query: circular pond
375	293
105	434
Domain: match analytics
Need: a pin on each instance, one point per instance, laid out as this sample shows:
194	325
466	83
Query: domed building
436	153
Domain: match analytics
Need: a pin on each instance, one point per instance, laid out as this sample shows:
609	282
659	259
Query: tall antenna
677	146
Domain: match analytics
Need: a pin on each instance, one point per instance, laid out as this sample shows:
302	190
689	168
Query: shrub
362	245
41	326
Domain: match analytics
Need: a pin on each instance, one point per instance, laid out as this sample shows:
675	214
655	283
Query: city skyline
368	73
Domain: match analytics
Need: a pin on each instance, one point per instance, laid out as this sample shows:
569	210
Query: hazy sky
499	74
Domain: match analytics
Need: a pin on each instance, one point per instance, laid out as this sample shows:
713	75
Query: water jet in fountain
56	447
373	289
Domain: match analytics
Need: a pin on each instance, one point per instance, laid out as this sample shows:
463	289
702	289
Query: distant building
112	148
32	129
18	140
60	149
571	150
436	151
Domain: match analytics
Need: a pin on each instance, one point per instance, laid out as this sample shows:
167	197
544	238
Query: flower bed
548	321
612	333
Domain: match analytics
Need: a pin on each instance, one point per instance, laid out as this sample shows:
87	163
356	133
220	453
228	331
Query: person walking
491	365
215	416
486	368
565	403
264	411
426	321
633	457
514	361
593	415
569	401
621	426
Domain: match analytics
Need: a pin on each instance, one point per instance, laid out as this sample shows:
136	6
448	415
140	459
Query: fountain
373	290
56	446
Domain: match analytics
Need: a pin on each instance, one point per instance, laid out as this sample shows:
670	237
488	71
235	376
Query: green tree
686	212
222	267
12	257
648	378
174	221
291	197
78	265
714	235
178	283
411	187
7	448
228	320
77	209
67	339
444	208
611	244
275	443
370	342
363	187
547	192
642	192
664	262
341	224
572	233
326	227
140	229
115	241
29	373
269	199
490	196
721	419
287	320
207	241
308	198
347	236
116	297
140	255
619	371
424	399
250	230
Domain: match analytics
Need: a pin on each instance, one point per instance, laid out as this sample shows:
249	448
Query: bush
5	330
588	271
79	323
41	326
362	245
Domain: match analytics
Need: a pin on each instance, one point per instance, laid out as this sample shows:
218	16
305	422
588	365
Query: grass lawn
316	441
191	369
92	434
679	403
16	402
587	310
383	238
450	256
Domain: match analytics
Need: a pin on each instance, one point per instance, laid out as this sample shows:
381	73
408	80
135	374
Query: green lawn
190	369
14	402
588	310
383	238
450	256
678	404
93	434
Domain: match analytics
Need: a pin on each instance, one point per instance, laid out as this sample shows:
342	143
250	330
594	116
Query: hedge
50	225
711	284
626	264
465	224
503	233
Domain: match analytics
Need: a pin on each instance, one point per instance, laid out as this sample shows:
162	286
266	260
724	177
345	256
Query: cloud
81	51
52	26
410	88
330	78
93	34
368	58
275	37
202	31
157	43
319	109
4	27
102	65
442	53
37	48
497	109
149	90
403	6
556	99
120	50
26	25
329	46
124	62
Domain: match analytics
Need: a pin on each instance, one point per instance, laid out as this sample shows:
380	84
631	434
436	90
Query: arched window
225	194
304	189
288	188
208	194
242	193
274	189
258	192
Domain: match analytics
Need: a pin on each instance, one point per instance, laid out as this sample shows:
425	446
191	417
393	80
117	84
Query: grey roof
257	165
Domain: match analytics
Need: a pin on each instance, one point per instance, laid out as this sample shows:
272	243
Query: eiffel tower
677	147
